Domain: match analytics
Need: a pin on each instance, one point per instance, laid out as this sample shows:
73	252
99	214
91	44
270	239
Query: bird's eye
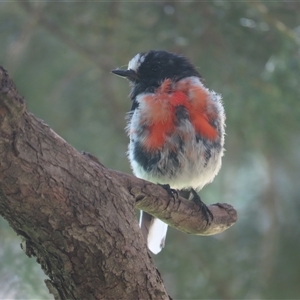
155	67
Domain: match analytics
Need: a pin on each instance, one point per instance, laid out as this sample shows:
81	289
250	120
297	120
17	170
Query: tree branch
74	215
179	213
77	217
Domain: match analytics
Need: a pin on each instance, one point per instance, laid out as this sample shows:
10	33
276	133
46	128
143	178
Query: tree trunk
78	217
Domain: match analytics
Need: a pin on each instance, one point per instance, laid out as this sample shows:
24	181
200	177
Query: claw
171	192
204	209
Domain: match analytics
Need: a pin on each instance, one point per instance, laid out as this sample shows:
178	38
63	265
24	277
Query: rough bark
78	217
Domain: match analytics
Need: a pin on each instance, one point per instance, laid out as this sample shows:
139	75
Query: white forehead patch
135	62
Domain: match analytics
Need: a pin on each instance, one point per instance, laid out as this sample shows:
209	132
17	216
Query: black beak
129	74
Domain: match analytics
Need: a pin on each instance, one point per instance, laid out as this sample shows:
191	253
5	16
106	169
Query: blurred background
60	55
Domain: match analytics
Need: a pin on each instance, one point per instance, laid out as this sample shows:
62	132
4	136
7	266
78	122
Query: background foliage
60	55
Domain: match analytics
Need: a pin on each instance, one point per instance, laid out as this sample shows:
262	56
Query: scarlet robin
176	130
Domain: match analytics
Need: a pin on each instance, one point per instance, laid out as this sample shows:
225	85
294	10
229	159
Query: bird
176	129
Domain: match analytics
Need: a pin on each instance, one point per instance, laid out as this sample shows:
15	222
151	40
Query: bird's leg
204	209
185	194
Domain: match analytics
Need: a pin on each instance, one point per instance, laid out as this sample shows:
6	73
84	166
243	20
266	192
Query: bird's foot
204	209
171	192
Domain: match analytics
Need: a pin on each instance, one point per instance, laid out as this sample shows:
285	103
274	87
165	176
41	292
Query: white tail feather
156	236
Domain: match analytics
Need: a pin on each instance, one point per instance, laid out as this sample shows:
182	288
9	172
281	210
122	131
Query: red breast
160	111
